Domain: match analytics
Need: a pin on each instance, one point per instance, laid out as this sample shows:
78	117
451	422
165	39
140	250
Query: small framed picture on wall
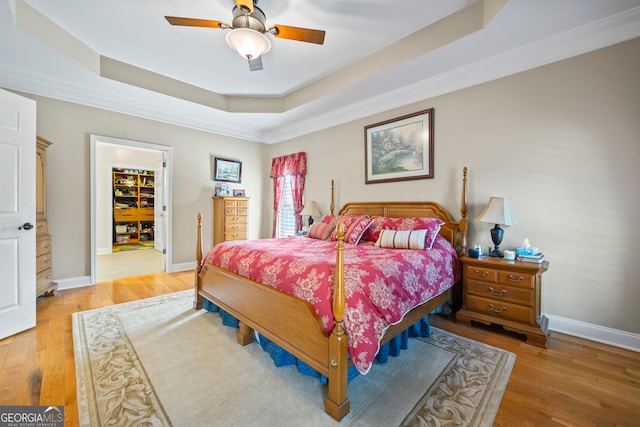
226	170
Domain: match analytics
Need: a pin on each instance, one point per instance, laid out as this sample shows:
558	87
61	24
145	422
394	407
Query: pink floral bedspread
381	285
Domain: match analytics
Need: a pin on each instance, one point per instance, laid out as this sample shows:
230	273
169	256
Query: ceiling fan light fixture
250	44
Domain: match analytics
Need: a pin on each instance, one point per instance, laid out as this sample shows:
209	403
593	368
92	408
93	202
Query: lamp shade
248	43
498	211
310	209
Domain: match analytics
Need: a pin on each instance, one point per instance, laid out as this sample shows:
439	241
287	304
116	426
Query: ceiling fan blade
299	34
248	4
191	22
255	64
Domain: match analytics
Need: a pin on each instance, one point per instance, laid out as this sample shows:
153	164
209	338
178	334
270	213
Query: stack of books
536	258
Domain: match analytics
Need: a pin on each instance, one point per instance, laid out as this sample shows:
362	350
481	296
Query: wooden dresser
230	218
44	283
504	292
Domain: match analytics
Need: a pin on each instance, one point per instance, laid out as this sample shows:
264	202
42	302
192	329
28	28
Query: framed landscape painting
225	170
399	149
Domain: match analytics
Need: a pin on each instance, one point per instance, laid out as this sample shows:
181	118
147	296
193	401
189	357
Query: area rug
159	362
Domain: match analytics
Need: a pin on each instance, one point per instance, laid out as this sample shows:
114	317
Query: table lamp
310	209
498	212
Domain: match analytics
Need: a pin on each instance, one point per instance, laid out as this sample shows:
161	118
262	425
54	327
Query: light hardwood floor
573	382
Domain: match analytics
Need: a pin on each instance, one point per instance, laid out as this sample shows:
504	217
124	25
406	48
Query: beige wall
69	126
562	141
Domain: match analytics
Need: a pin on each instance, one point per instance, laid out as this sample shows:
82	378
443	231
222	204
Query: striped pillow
402	239
320	230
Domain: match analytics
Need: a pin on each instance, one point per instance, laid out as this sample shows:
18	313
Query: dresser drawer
145	214
242	211
230	204
500	309
235	219
43	262
500	292
479	273
240	235
42	227
123	215
43	277
235	227
242	203
516	279
43	246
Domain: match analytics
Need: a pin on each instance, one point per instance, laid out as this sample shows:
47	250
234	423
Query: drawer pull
484	273
493	292
48	276
503	308
235	218
40	226
515	279
48	245
47	261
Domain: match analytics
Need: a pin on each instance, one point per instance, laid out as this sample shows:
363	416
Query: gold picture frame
400	149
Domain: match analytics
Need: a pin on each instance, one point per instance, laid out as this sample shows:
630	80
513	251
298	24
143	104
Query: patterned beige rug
158	362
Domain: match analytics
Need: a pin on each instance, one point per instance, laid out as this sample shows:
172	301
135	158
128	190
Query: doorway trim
168	155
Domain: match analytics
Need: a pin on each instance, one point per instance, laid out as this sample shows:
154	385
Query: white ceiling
81	50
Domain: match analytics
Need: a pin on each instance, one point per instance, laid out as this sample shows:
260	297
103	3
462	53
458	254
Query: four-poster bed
294	325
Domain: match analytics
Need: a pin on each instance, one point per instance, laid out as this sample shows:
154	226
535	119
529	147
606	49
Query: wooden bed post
332	206
337	404
197	300
463	212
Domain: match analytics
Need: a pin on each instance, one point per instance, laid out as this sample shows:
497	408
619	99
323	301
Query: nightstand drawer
500	309
478	273
516	279
500	292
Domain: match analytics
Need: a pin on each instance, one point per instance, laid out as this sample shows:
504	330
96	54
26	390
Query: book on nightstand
534	258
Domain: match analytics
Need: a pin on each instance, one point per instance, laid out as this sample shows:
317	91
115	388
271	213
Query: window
287	217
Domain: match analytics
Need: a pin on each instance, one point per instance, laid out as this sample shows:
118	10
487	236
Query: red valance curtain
294	166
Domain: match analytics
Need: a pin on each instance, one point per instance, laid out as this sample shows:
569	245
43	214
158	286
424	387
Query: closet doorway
136	239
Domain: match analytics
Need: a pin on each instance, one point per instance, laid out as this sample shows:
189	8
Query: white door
159	214
17	213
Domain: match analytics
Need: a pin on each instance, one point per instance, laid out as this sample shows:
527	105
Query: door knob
26	226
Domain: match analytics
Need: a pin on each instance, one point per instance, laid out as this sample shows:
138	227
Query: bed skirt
282	357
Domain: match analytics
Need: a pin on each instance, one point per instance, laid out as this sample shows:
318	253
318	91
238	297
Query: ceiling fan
248	29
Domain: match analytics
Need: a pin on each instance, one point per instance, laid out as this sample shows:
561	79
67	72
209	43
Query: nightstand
503	292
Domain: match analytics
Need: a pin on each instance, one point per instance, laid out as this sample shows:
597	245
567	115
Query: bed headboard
454	231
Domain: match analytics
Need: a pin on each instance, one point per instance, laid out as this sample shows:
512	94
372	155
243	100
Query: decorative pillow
354	227
432	225
320	230
402	239
330	219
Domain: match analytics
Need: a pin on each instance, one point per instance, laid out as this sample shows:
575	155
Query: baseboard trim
74	282
79	282
589	331
184	266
